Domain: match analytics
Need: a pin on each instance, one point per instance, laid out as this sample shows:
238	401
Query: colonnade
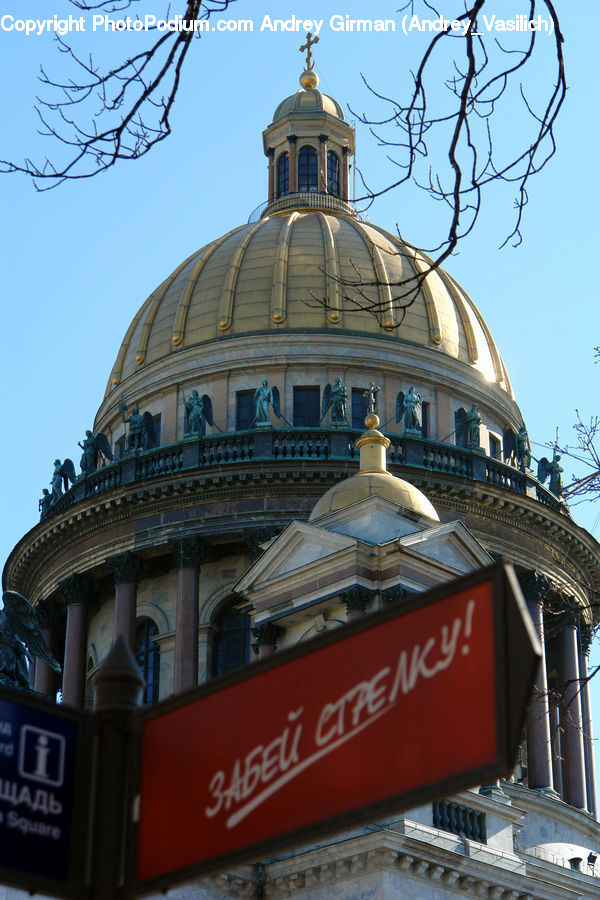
559	729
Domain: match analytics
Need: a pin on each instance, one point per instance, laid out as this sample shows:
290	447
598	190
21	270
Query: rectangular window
495	447
360	406
157	430
244	410
307	413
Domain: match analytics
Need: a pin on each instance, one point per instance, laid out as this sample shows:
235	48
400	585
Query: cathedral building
249	506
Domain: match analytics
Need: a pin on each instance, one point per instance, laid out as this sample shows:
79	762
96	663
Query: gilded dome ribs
228	295
464	316
279	285
499	369
431	310
332	280
184	303
158	298
381	276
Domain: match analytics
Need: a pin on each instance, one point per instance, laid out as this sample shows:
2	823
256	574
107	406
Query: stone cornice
562	544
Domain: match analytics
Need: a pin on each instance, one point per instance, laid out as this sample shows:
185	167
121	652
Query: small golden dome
309	79
308	103
370	484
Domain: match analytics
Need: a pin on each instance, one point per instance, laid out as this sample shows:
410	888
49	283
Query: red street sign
413	702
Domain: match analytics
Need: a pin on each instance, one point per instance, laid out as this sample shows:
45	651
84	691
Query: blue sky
77	262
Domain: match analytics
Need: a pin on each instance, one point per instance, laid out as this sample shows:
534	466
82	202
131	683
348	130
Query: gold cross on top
307	46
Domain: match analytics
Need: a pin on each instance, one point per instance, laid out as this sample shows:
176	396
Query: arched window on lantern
308	170
283	175
333	173
231	646
147	654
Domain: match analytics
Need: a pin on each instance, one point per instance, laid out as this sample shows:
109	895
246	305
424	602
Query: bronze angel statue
63	475
263	397
552	469
96	449
407	408
20	640
198	410
335	398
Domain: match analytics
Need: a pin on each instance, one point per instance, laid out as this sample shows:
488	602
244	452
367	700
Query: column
47	681
356	599
77	590
292	161
556	739
126	570
189	552
271	156
588	739
345	172
539	746
266	637
323	163
574	756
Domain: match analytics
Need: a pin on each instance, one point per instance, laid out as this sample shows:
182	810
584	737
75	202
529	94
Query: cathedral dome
308	103
298	271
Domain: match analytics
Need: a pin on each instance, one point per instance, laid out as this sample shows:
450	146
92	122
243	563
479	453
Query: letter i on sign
41	755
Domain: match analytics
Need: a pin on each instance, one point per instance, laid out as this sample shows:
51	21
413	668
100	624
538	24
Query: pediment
299	546
451	545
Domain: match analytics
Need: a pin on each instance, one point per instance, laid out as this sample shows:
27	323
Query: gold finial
372	444
309	78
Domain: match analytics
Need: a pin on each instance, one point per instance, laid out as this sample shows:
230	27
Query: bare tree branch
134	98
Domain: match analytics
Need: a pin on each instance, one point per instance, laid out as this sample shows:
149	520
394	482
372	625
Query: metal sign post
413	702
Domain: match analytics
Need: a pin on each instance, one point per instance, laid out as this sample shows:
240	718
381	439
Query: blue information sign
38	752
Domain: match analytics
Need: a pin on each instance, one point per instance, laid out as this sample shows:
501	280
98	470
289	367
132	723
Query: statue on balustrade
198	410
335	397
63	475
264	396
523	449
552	469
408	408
20	640
473	421
44	503
142	433
96	449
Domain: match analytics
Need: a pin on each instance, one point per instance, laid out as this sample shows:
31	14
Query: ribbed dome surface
308	103
271	275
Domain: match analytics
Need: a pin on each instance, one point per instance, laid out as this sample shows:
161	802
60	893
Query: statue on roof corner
20	640
142	433
198	409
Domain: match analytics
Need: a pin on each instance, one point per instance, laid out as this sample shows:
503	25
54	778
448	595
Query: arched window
308	170
333	173
283	175
147	653
231	646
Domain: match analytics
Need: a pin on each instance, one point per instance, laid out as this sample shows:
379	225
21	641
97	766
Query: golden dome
308	103
274	274
373	479
370	484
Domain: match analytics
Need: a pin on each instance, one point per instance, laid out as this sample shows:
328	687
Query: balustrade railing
298	444
461	820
